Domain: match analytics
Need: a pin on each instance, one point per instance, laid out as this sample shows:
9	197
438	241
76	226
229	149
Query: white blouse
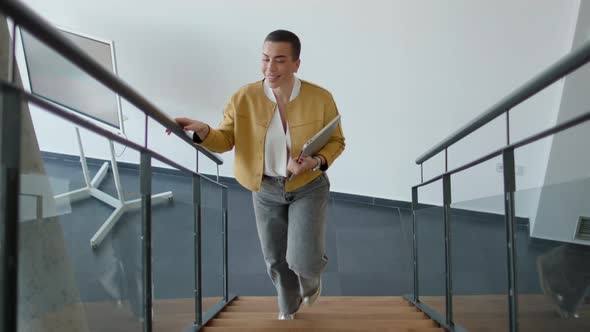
277	145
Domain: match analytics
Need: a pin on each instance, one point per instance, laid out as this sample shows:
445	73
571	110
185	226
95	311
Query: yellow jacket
247	117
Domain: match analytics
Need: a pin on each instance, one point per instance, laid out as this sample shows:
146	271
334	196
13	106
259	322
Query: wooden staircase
475	313
328	314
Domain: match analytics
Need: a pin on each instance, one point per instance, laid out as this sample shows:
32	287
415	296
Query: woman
268	122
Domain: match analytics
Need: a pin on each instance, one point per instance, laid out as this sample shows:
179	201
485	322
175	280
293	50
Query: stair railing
555	72
12	98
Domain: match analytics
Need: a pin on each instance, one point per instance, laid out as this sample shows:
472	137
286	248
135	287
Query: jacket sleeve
220	139
336	144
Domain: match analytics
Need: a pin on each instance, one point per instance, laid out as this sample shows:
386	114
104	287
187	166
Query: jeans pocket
326	179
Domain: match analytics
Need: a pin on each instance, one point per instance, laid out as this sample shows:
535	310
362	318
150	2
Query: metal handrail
82	123
584	117
44	31
559	69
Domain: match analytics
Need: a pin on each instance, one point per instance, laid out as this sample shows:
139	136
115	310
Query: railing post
509	206
197	249
225	249
448	271
508	127
146	217
421	173
415	242
10	122
12	67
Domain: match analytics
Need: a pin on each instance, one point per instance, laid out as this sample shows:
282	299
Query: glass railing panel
554	253
405	247
81	250
172	147
433	166
431	247
537	113
367	252
478	248
173	248
212	245
13	108
489	137
10	104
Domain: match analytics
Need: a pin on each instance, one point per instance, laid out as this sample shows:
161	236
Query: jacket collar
270	95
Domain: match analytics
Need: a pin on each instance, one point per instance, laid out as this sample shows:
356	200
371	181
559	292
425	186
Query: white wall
405	74
567	182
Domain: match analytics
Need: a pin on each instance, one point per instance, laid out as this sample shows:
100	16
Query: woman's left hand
302	165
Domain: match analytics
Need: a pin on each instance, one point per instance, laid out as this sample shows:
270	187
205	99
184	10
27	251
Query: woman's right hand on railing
201	128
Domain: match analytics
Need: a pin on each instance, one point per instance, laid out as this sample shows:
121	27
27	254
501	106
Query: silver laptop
317	142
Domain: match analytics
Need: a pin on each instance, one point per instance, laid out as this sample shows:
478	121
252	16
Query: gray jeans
292	228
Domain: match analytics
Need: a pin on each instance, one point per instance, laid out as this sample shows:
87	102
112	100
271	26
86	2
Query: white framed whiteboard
59	81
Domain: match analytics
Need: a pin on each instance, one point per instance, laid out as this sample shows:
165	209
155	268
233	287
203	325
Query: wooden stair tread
323	323
332	298
182	305
321	329
327	309
329	314
481	313
327	303
322	315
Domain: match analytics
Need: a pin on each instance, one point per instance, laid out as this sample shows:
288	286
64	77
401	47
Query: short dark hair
286	36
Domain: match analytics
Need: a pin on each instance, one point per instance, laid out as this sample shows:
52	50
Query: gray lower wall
229	181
